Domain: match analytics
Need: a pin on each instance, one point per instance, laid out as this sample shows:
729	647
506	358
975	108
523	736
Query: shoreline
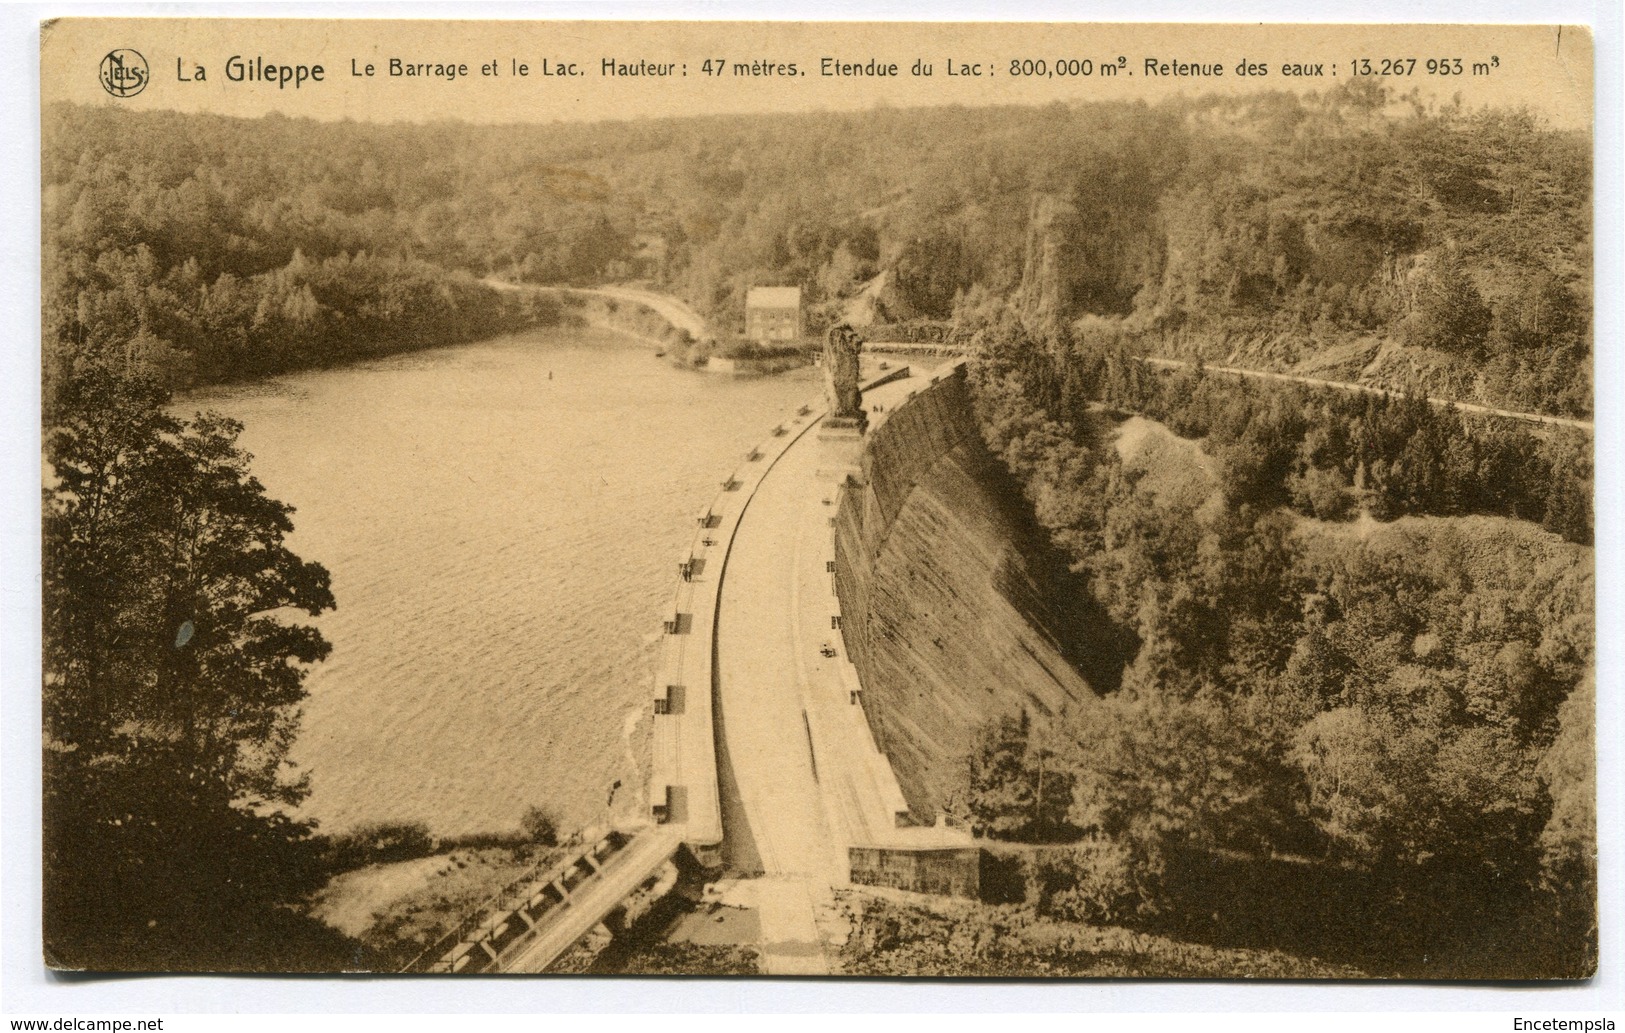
280	384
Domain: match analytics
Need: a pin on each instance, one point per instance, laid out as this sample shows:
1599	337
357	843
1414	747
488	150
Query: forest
1351	674
1358	233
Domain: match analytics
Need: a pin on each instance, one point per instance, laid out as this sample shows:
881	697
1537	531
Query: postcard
818	499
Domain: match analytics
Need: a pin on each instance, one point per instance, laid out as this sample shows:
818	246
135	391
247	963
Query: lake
502	522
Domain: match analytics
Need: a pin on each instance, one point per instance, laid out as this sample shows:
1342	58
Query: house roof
773	297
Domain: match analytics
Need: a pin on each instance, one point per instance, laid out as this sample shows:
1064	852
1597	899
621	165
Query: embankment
629	315
948	596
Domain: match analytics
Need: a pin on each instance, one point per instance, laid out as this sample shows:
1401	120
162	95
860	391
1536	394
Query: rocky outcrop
1086	260
877	301
1050	264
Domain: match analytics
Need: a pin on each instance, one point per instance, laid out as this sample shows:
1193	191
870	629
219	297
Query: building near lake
773	314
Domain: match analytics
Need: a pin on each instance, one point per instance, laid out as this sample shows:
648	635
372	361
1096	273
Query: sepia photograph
763	499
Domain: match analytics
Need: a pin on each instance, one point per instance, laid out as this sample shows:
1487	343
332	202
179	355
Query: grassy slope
398	909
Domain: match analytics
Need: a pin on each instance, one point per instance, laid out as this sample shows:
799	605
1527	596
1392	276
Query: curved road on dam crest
801	779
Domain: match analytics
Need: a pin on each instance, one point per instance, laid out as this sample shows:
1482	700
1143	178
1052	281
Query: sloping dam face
947	594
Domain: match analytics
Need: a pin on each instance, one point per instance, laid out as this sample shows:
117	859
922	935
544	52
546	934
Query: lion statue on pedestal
841	347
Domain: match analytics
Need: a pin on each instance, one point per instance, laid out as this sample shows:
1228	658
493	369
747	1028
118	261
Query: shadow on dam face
1034	576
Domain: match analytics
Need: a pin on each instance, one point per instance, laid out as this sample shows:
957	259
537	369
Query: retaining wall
943	615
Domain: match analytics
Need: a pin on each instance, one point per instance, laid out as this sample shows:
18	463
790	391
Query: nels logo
124	73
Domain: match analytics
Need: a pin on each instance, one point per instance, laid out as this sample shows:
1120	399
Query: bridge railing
506	900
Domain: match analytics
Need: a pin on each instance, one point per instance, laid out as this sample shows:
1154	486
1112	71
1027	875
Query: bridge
763	762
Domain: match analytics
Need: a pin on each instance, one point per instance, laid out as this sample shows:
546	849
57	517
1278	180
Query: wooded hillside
1382	726
1353	233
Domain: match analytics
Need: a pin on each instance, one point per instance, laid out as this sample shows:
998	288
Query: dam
762	760
809	710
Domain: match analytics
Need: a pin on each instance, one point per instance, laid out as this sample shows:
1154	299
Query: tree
1016	789
1569	841
172	689
539	826
1163	774
1400	795
1450	314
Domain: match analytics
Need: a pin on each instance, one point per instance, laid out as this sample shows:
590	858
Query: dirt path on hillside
1342	385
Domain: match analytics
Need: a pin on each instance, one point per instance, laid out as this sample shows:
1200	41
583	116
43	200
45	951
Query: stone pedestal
840	448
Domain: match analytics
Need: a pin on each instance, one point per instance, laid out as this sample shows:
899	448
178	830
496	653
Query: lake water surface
503	523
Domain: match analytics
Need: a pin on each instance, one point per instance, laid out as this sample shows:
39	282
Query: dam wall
944	614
